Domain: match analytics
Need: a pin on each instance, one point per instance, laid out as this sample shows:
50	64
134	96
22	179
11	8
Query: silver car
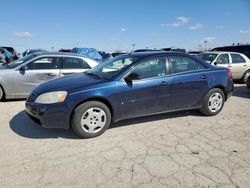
20	77
239	63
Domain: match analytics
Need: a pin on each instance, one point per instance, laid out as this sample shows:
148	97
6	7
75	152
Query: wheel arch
99	99
223	89
4	96
248	69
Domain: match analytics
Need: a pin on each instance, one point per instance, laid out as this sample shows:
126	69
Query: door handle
51	74
68	73
229	66
204	76
244	65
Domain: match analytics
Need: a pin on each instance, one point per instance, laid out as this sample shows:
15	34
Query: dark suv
244	49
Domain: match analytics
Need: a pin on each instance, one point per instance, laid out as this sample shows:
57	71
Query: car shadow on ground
23	126
241	91
11	100
157	117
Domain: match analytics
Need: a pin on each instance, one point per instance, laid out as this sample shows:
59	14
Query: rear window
207	56
74	63
236	58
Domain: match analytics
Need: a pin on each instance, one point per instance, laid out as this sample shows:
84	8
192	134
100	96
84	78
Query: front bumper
49	116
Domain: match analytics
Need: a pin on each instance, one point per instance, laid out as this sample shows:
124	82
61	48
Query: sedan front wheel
91	119
1	93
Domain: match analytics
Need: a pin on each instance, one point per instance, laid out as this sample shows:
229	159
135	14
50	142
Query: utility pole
133	45
205	42
200	48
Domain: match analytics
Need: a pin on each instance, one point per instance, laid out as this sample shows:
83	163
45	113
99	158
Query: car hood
67	83
3	67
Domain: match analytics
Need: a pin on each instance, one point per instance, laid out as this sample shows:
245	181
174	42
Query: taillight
230	73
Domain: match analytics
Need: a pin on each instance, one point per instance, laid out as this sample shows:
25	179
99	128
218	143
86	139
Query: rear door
238	65
189	82
36	72
72	65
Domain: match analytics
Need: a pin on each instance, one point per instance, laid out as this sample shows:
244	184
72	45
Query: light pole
133	47
205	41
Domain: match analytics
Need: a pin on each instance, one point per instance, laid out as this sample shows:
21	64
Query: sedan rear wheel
245	76
214	102
91	119
1	93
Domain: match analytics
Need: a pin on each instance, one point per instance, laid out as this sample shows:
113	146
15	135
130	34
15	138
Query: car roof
154	53
42	53
219	52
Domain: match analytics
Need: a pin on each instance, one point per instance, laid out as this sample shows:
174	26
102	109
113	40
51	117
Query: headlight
51	97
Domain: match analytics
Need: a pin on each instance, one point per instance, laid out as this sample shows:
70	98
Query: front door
148	93
35	73
223	60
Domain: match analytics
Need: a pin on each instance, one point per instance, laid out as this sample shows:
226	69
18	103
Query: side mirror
23	69
131	77
215	63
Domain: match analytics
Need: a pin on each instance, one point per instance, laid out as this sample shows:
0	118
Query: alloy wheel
215	102
93	120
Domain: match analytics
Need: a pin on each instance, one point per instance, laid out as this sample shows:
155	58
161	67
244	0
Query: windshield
108	69
207	56
20	61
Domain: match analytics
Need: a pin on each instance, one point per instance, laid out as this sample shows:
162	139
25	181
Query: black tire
244	77
205	107
79	112
1	93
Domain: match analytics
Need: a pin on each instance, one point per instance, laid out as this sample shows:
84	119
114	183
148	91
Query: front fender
104	93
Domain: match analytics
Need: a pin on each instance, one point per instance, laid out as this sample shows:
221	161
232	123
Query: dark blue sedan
127	86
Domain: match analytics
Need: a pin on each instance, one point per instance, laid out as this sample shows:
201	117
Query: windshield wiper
92	75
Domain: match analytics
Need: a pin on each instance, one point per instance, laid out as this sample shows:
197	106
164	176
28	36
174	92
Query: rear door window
74	63
236	58
183	64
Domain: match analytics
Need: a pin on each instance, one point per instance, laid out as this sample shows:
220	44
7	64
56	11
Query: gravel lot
183	149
